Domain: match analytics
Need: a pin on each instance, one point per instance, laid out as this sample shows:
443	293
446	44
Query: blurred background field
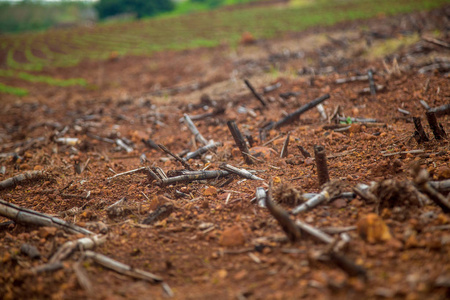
40	35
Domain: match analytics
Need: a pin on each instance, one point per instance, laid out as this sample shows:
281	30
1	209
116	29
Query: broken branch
121	268
31	217
321	164
198	136
288	226
241	172
183	162
28	176
296	114
257	96
239	140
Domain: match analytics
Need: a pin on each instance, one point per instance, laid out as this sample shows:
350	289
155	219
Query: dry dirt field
206	238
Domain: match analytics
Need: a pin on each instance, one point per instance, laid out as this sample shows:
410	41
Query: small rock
339	203
30	250
442	173
247	38
262	152
222	274
309	161
233	236
240	275
368	137
355	128
236	153
205	225
44	232
210	191
373	229
160	214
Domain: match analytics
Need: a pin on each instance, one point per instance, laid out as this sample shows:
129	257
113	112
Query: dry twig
24	177
296	114
121	268
31	217
289	227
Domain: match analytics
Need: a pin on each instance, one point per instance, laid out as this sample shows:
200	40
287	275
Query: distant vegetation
39	15
141	8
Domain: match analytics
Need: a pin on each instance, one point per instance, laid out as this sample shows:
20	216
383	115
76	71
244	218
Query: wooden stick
82	277
441	186
415	151
68	248
305	153
288	226
160	173
314	232
47	268
436	42
272	88
338	230
124	146
287	95
313	202
28	176
261	196
419	129
241	172
340	260
373	89
217	111
352	79
403	111
257	96
421	180
239	140
150	144
194	175
441	110
121	268
424	103
182	161
437	128
202	150
284	150
127	172
296	114
31	217
99	138
321	164
198	136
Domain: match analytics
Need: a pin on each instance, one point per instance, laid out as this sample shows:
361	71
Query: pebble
373	229
442	173
210	191
262	152
232	236
44	232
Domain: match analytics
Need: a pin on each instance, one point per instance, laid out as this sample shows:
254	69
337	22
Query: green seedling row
6	89
43	79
